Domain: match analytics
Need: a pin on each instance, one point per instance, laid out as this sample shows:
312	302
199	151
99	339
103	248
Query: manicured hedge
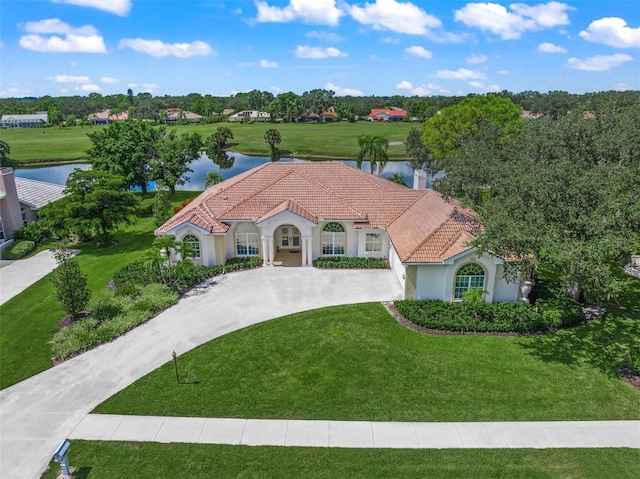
19	250
334	262
488	317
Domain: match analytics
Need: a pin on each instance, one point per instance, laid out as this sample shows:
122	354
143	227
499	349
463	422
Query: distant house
529	115
387	114
327	116
20	200
306	211
34	120
249	116
228	111
177	114
105	117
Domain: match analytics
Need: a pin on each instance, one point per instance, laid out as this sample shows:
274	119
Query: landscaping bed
341	262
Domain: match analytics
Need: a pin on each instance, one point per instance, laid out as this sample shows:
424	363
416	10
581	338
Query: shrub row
19	250
333	262
112	318
489	317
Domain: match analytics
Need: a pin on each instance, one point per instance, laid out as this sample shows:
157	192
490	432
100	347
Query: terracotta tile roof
422	226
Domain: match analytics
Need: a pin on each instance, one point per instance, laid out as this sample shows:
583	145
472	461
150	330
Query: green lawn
357	363
340	139
112	460
29	320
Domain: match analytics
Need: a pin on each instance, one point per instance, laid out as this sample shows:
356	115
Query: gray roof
30	117
37	194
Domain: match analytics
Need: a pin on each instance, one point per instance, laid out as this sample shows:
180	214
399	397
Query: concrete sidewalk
16	276
360	434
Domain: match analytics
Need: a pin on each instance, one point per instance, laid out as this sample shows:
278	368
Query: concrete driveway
16	276
40	412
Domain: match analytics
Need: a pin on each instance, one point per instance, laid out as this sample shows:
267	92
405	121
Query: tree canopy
95	205
173	155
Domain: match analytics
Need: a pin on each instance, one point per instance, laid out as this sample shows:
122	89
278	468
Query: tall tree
173	154
273	139
95	205
218	140
5	149
213	178
125	149
420	157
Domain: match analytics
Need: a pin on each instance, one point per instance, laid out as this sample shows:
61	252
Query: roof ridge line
435	230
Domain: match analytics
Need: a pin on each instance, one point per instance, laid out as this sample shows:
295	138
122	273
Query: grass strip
111	460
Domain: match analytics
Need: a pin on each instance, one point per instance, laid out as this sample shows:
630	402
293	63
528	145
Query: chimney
419	180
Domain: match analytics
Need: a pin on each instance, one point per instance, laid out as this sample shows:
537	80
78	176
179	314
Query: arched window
247	237
194	242
469	276
333	239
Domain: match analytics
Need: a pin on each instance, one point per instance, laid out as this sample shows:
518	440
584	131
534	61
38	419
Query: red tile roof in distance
422	226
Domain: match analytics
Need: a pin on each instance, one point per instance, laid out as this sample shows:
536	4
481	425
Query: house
105	117
529	115
387	114
327	116
176	114
249	116
309	210
35	120
20	200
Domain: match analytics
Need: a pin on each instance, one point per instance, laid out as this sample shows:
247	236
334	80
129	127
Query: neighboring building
20	200
249	116
105	117
309	210
227	111
529	115
327	116
387	114
177	114
35	120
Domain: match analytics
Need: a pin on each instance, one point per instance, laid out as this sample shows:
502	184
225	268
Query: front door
289	237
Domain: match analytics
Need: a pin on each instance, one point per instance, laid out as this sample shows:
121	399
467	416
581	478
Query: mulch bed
69	320
631	376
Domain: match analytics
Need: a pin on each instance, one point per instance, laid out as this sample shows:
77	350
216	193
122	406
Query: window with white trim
194	242
247	240
469	276
333	239
373	243
24	216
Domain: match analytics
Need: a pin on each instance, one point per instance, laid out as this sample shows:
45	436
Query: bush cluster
110	319
19	249
488	317
33	231
334	262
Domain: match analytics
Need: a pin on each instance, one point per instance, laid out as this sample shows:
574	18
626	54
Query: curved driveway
40	412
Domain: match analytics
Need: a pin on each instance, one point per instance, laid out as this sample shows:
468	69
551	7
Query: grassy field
357	363
29	320
330	140
111	460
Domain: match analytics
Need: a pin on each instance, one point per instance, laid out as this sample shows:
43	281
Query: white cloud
477	59
268	64
612	31
325	36
68	44
399	17
423	90
109	80
118	7
317	52
84	39
158	48
623	87
339	91
15	91
70	79
551	48
315	12
89	88
503	72
599	63
460	74
390	40
275	88
482	86
497	19
418	51
150	88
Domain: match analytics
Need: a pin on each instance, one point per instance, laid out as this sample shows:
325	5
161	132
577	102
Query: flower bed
334	262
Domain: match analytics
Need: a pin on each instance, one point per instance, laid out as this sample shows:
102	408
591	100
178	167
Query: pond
229	165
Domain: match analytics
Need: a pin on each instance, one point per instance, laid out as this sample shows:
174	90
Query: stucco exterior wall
362	244
431	282
504	291
397	267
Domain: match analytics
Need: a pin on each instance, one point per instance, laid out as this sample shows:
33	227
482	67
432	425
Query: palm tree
213	178
272	138
166	243
398	178
375	147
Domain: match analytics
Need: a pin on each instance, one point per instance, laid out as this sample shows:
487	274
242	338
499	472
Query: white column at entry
304	252
271	251
265	252
310	252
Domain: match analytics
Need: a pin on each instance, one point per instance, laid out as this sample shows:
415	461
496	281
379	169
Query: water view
231	165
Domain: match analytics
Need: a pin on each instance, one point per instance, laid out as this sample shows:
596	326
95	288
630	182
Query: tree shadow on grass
82	473
603	344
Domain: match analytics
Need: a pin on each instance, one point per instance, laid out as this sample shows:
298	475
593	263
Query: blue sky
373	47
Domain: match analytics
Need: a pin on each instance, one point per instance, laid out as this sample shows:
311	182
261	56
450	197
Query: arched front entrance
288	246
